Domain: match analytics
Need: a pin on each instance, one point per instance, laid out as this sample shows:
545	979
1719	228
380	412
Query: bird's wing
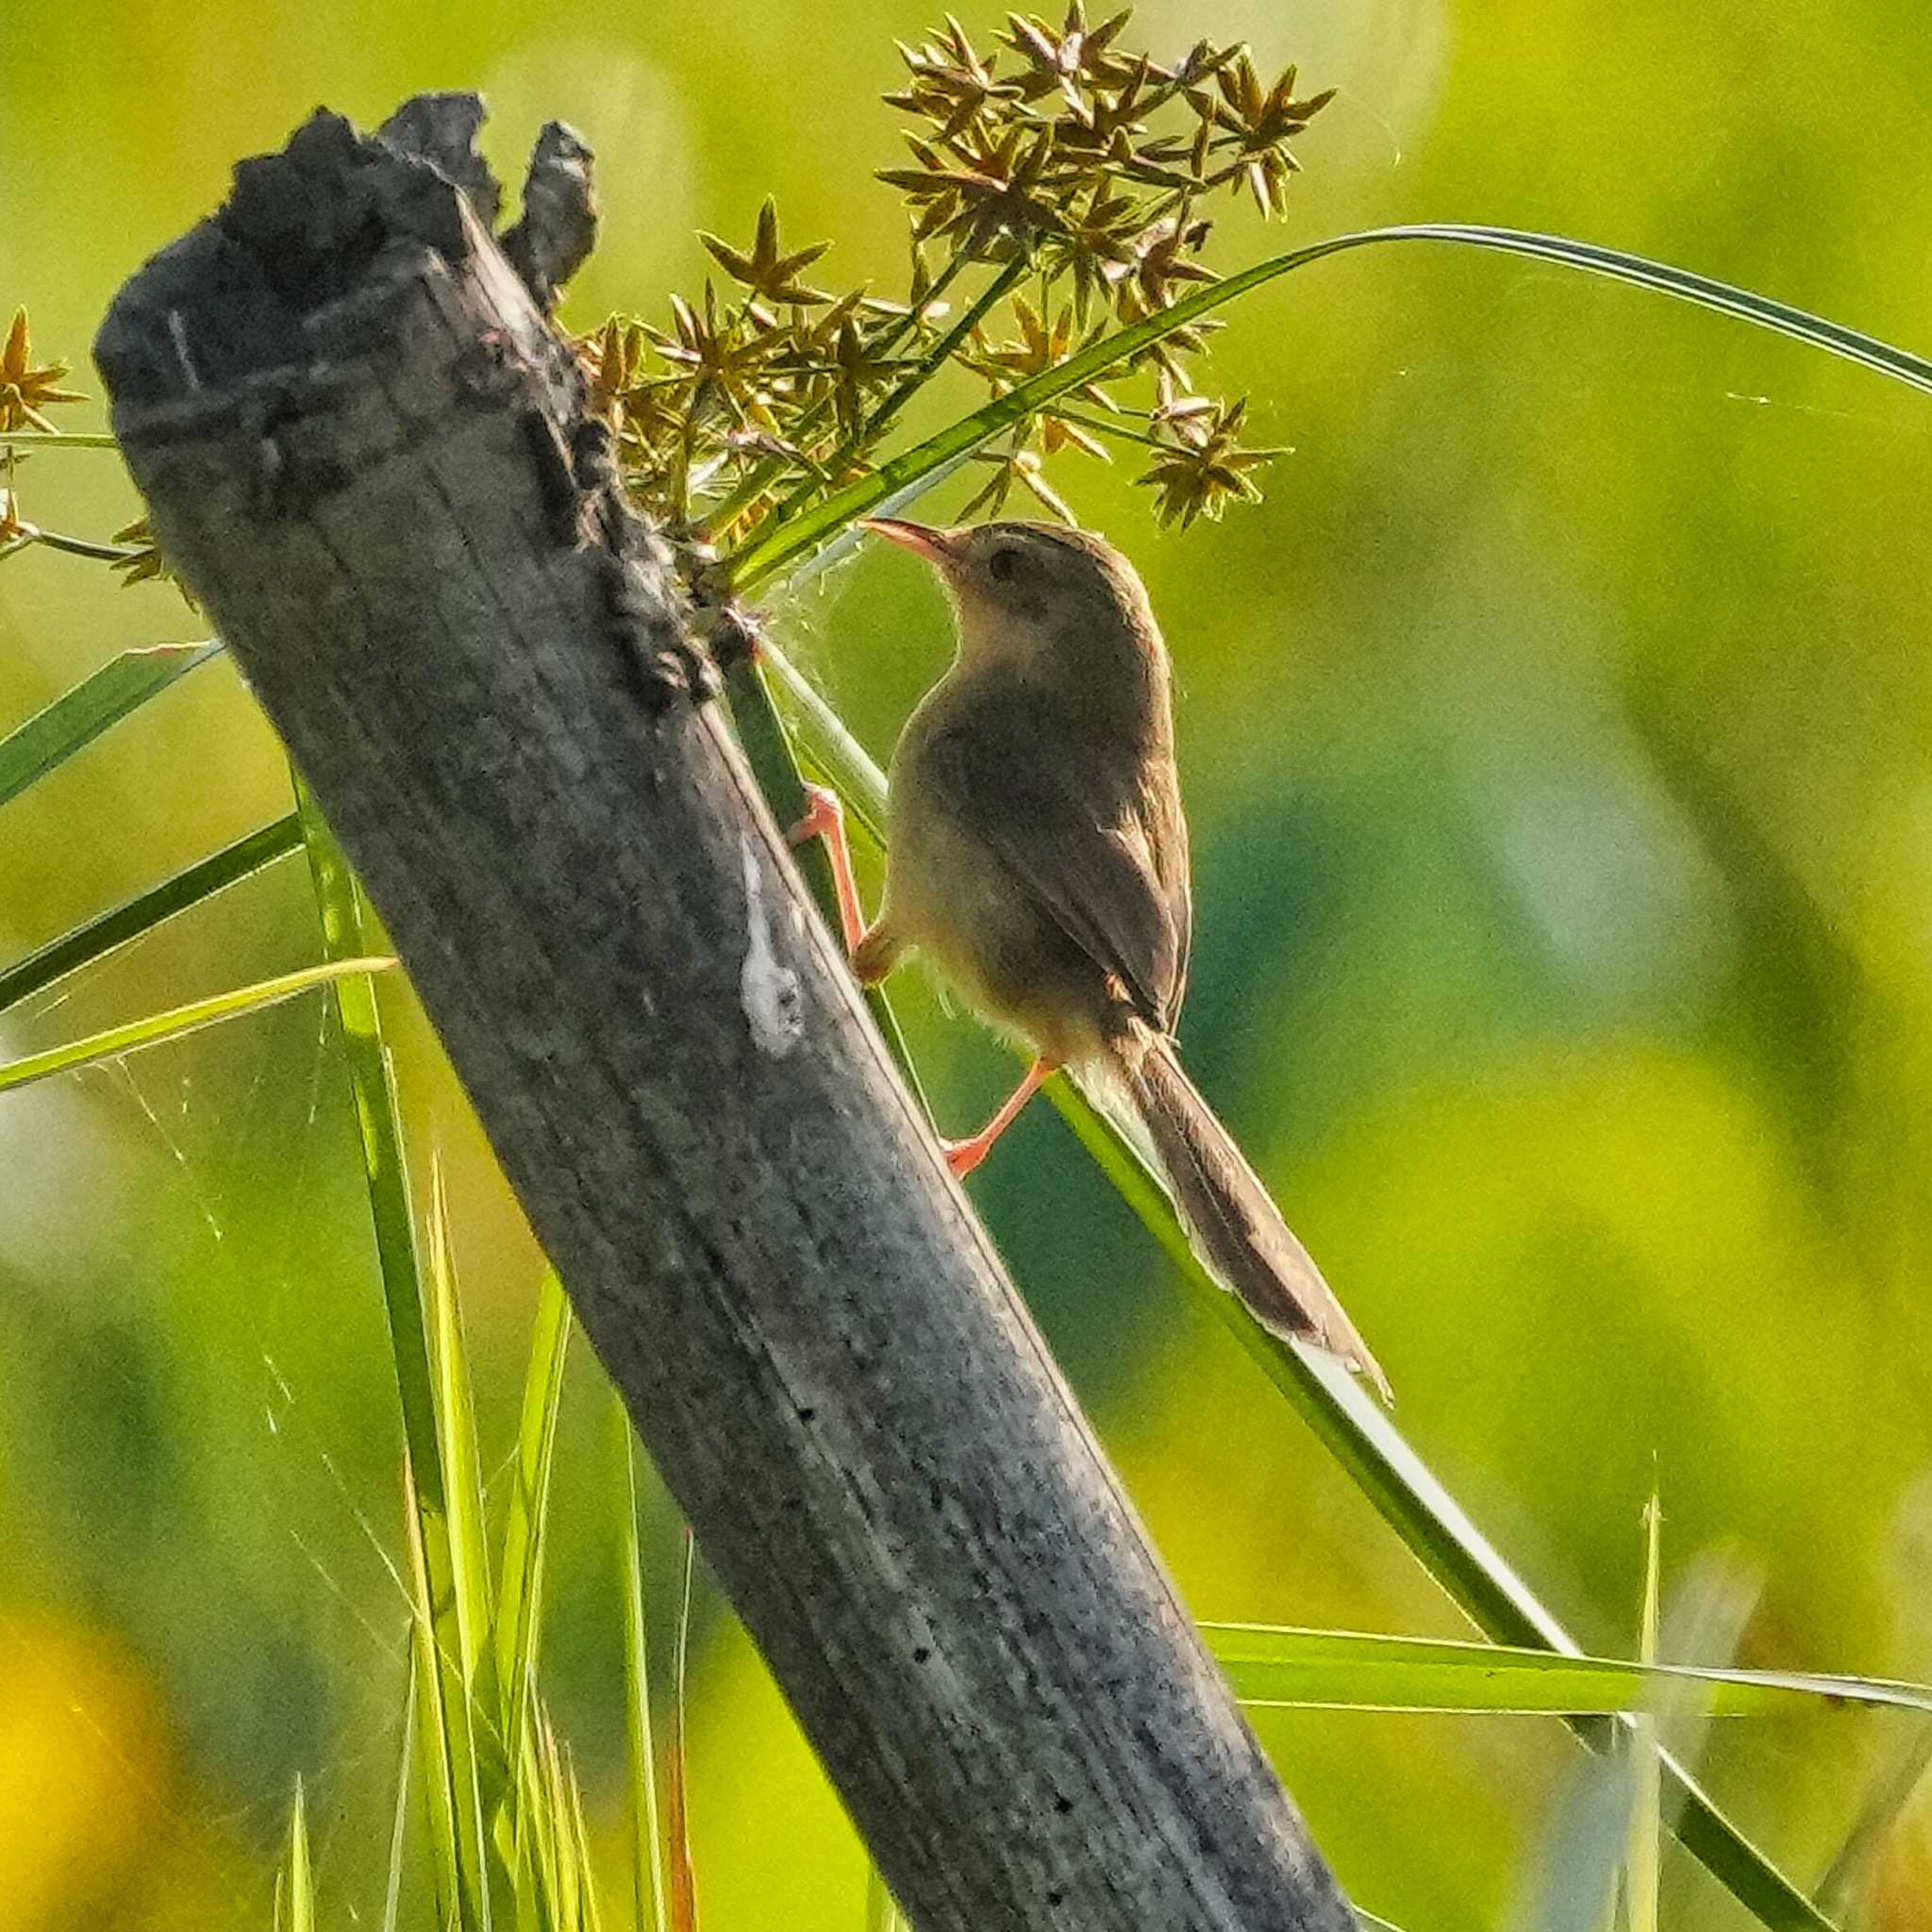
1077	840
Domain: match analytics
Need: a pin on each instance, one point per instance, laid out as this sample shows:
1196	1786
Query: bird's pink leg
962	1157
824	818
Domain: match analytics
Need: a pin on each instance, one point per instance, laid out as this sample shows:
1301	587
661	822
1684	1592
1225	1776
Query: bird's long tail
1236	1229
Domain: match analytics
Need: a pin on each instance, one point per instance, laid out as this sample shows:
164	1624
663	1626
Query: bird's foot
824	818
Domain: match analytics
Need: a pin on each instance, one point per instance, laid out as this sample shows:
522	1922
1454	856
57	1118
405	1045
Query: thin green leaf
649	1890
1272	1665
442	1786
683	1888
77	717
463	1627
592	1918
446	1726
133	917
398	1834
882	1914
371	1088
536	1876
178	1021
778	543
47	439
561	1877
1361	1436
519	1584
298	1871
1643	1860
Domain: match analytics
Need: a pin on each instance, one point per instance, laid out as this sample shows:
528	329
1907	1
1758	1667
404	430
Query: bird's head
1048	601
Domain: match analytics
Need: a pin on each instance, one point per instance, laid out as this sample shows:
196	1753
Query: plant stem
1103	426
79	546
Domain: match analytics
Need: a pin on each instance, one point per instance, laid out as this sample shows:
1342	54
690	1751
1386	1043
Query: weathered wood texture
363	447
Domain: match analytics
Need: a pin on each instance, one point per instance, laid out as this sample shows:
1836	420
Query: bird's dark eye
1004	563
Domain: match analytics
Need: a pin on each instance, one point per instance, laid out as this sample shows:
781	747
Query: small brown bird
1037	855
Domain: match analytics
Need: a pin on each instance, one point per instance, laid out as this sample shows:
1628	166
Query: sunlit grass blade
536	1872
1643	1858
882	1914
649	1890
568	1909
684	1887
520	1583
295	1881
463	1627
780	543
592	1918
399	1828
1346	1670
456	1903
371	1088
177	1023
77	717
445	1715
1356	1430
133	917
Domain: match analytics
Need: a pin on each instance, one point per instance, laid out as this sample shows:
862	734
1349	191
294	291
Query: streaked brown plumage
1038	856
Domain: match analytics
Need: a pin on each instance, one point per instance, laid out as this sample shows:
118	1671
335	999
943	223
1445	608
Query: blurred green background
1558	737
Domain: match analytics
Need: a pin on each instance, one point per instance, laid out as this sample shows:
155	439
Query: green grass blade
463	1462
780	543
882	1914
446	1715
442	1803
372	1085
155	1029
133	917
1356	1430
1347	1670
580	1839
1643	1860
650	1892
463	1629
684	1887
563	1904
520	1581
399	1829
77	717
563	1879
537	1836
298	1871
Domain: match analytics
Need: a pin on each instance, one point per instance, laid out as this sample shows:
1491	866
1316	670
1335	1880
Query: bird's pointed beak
938	547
